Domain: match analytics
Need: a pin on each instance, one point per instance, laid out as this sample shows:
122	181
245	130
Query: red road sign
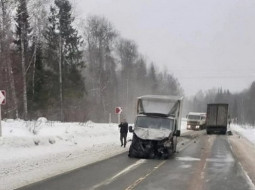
118	110
2	97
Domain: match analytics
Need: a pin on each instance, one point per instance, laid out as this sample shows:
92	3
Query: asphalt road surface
204	162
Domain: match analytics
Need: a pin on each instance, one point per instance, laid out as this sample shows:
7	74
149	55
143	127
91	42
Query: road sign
2	97
118	110
2	102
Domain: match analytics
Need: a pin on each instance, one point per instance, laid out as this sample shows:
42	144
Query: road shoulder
245	153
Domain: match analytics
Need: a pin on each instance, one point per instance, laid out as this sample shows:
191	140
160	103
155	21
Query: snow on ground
34	150
246	131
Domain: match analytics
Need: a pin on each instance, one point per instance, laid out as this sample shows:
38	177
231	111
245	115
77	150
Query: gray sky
204	43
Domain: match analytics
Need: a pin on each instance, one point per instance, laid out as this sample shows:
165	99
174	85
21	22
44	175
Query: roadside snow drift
34	150
246	131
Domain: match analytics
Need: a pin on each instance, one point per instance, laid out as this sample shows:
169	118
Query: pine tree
22	41
251	105
64	57
153	79
6	73
37	83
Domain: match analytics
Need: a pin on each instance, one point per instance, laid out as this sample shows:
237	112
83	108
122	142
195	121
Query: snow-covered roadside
35	150
246	131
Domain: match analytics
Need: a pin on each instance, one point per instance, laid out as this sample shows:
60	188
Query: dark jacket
123	127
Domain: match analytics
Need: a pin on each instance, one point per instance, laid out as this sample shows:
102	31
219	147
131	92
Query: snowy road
205	162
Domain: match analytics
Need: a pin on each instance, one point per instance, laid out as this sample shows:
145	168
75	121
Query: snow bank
247	131
34	150
63	133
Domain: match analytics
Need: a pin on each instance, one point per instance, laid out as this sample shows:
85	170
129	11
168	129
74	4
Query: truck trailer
156	127
217	118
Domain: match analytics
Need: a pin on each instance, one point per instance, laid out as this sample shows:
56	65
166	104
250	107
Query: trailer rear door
222	115
211	115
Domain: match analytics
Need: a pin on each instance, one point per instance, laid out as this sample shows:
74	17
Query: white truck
156	127
196	120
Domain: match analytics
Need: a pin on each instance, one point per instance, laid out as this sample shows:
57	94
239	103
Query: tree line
51	68
241	105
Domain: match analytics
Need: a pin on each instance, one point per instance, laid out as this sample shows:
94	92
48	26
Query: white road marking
132	186
223	160
127	169
136	164
187	158
185	166
250	182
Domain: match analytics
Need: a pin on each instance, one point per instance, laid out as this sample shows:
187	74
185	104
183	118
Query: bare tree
100	36
22	31
128	54
6	40
38	24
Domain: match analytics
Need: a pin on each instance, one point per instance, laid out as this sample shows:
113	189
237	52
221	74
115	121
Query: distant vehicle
196	121
156	127
217	118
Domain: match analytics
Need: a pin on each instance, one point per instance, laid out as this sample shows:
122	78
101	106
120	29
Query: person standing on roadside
123	132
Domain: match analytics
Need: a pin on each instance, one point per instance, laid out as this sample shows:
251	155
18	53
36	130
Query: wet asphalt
203	163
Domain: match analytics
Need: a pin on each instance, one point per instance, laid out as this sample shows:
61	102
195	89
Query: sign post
2	102
118	111
0	122
110	119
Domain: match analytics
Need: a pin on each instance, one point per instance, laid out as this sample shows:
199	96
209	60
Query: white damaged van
156	127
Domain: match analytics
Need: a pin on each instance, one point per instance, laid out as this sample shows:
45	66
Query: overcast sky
203	43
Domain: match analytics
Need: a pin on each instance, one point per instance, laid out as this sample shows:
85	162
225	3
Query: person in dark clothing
123	132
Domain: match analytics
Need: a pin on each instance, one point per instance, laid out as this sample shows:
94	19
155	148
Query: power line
216	77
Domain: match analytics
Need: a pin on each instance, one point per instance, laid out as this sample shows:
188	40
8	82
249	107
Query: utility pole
0	121
2	102
60	78
127	96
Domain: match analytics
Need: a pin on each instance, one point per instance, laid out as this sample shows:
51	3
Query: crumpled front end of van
141	148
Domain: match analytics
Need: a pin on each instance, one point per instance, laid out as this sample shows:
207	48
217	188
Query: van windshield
155	123
195	117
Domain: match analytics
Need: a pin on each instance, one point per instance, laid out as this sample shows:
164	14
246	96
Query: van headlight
197	127
188	126
167	144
